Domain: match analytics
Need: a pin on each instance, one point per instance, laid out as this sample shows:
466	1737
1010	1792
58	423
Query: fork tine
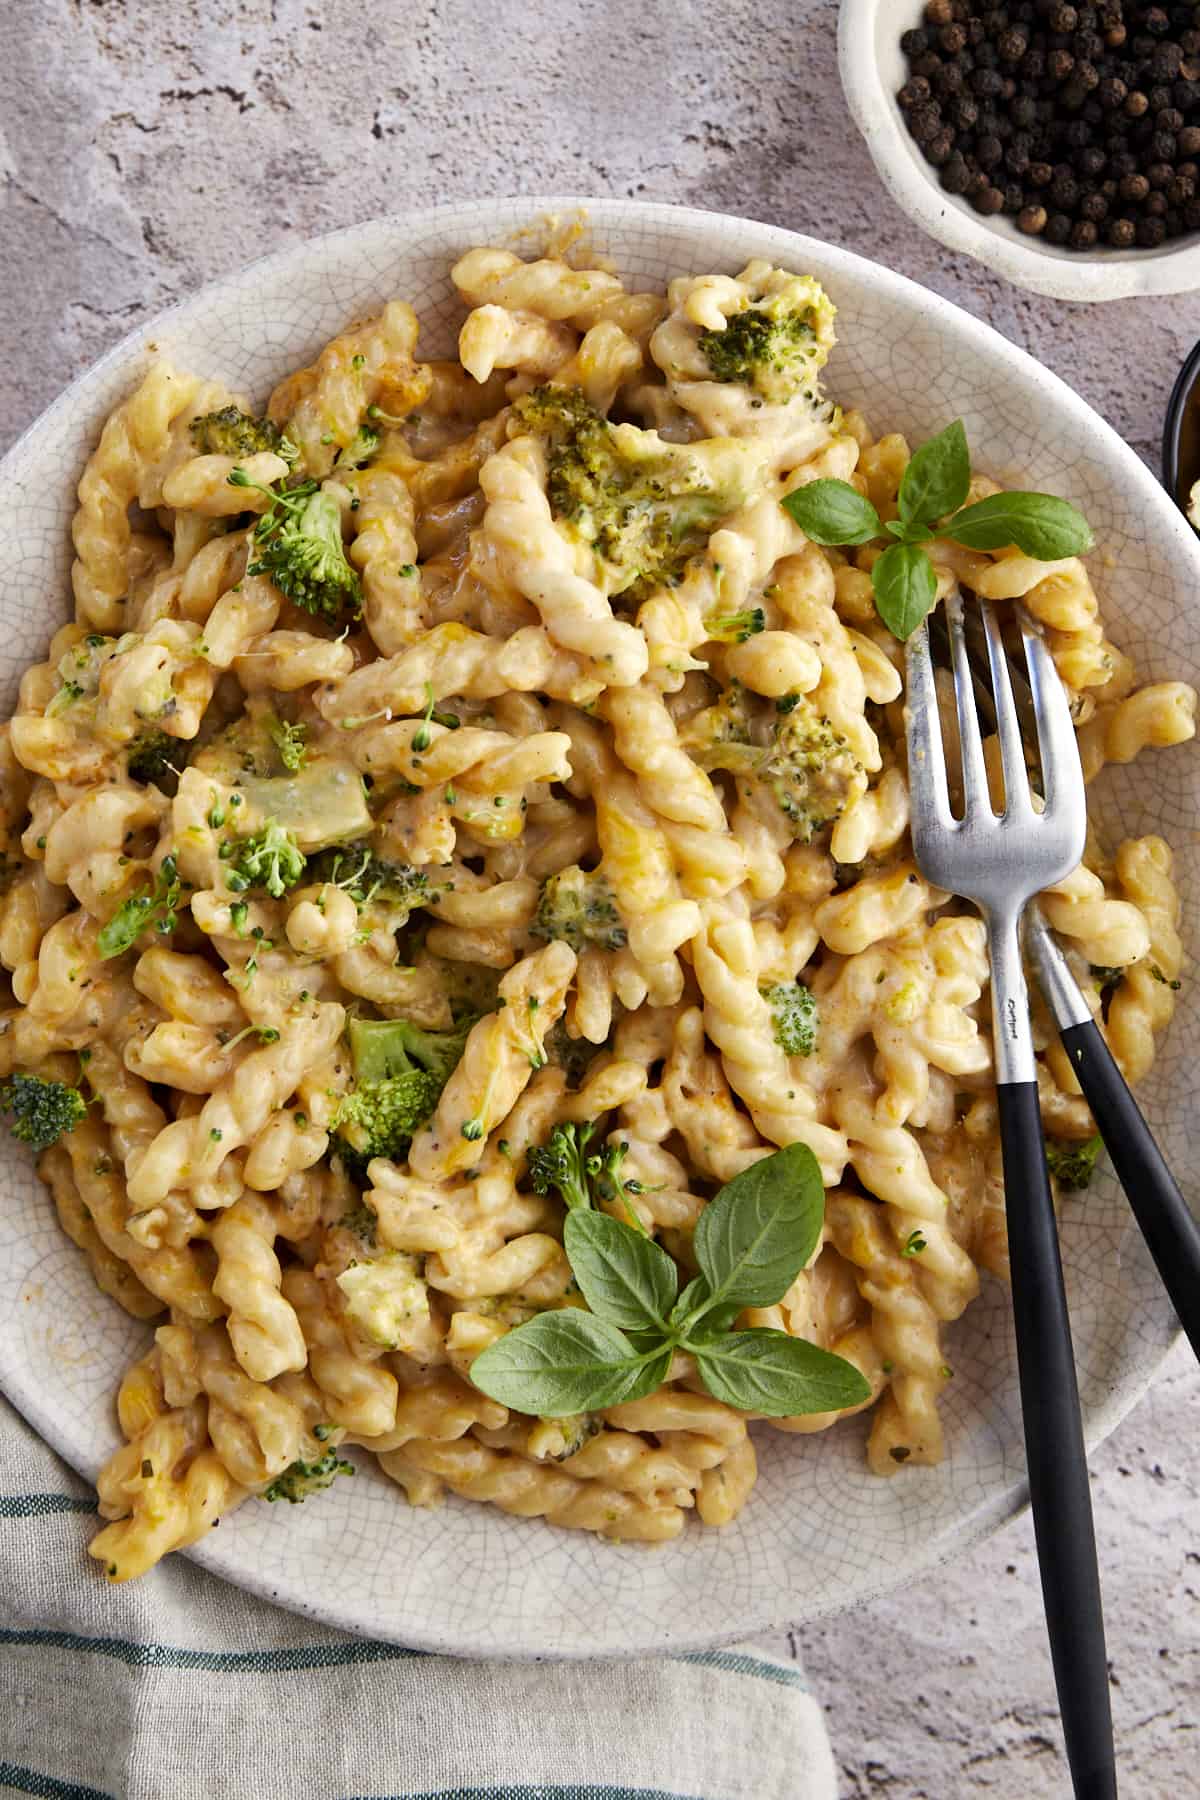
1008	726
976	797
1062	773
926	755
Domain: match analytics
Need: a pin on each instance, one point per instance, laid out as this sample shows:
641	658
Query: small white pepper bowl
873	68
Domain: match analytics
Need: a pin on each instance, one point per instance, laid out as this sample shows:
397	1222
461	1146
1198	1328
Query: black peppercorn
1086	76
1135	188
939	12
1023	112
1077	134
1064	192
1160	174
1155	205
1040	174
1162	145
1156	20
1012	45
955	176
1188	141
1034	65
1166	62
1063	18
1083	234
1111	92
1168	118
1093	207
1181	190
950	79
914	93
1032	220
1059	64
1091	162
1089	45
927	65
1136	104
1150	233
938	148
952	39
986	83
1058	228
1190	216
925	122
989	200
988	152
914	43
965	112
1122	234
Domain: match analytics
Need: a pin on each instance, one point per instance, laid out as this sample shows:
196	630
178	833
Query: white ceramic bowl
820	1532
873	68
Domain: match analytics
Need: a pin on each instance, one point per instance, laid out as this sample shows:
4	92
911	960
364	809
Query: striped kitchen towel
178	1687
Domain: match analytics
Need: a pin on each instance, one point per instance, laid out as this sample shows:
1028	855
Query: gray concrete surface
149	145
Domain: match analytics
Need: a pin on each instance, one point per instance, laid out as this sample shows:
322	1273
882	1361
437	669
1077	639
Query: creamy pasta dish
465	803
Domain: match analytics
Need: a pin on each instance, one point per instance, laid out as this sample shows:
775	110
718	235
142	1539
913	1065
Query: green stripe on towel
34	1506
29	1781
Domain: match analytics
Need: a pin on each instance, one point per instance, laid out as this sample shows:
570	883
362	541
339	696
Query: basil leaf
699	1320
937	478
650	1376
626	1278
560	1363
905	588
772	1373
754	1238
832	512
1039	524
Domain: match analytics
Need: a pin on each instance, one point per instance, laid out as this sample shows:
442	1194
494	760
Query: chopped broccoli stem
231	432
269	859
795	1017
578	908
41	1110
289	741
300	1479
1073	1163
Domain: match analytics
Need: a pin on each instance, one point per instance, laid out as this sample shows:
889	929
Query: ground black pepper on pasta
1082	123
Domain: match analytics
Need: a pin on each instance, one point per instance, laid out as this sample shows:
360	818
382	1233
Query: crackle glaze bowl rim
817	1536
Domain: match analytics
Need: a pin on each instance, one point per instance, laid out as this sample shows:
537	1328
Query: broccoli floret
563	1163
778	344
153	756
572	1055
157	905
736	627
41	1110
269	859
359	450
578	908
773	356
399	1073
805	765
642	505
231	432
299	540
794	1017
300	1479
1073	1163
289	742
395	888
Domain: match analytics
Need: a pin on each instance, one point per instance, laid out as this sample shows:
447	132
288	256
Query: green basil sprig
751	1242
933	488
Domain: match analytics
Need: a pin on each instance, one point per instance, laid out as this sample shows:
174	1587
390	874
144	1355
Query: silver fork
1000	861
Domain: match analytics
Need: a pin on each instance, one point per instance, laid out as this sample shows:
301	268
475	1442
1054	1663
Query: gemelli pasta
472	756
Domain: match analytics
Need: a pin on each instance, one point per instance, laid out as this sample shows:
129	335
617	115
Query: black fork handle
1058	1476
1170	1231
